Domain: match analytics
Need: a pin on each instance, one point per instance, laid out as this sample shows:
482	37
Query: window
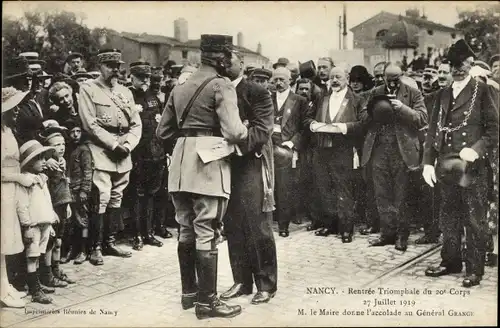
184	54
381	35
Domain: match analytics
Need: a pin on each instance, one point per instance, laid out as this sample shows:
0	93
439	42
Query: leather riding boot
209	305
140	214
187	263
111	249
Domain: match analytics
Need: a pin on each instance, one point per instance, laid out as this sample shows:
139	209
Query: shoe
323	232
12	300
59	273
80	258
188	301
96	256
440	271
48	279
472	280
236	290
262	297
313	226
347	238
16	292
137	243
381	242
151	240
112	250
216	309
66	257
163	232
491	260
401	244
426	239
284	234
368	231
55	282
47	290
40	297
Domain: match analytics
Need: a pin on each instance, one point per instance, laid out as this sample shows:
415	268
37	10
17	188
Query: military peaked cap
216	43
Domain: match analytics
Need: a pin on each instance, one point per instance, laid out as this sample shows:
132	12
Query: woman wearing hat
11	240
360	80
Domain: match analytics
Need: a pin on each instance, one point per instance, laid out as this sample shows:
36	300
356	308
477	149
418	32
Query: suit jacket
481	131
214	109
293	110
352	112
408	121
99	113
29	120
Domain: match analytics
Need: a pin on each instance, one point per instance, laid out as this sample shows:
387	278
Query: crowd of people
227	148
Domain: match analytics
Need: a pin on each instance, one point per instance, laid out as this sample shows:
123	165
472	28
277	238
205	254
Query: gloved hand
121	152
429	175
468	154
288	144
28	235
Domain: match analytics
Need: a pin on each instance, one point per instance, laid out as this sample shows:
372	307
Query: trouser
286	192
333	182
305	183
249	232
391	179
465	207
110	186
199	217
371	210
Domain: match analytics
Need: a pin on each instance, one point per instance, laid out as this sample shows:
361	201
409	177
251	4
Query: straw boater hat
82	72
51	128
30	150
11	97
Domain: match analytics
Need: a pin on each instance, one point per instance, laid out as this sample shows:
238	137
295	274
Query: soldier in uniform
112	121
463	136
149	160
203	114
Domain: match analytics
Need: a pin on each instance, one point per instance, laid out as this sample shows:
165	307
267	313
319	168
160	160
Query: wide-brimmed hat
30	55
82	72
307	70
282	156
11	97
359	73
281	62
380	109
94	74
30	150
110	56
451	169
17	67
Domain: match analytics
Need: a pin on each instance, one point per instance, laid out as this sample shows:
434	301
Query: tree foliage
481	29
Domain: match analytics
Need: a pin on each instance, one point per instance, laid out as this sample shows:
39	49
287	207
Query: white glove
468	154
429	175
315	126
288	144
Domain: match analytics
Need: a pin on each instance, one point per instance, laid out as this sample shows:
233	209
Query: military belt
120	130
200	133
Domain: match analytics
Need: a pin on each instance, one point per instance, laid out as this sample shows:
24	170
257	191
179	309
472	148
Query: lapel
325	105
444	102
35	109
243	103
343	105
275	103
465	95
403	94
287	107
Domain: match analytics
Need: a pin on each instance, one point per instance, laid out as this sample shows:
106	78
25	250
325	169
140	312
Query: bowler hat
30	150
140	68
11	97
216	43
380	109
17	67
282	156
262	72
458	52
307	70
451	169
281	62
110	56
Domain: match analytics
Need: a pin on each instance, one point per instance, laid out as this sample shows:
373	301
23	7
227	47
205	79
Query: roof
195	44
149	38
419	22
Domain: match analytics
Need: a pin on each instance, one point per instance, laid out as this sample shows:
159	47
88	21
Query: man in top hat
149	159
282	62
202	114
391	151
248	222
462	137
261	76
111	118
289	110
337	124
74	62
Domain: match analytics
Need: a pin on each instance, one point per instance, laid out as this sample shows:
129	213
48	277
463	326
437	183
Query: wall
149	53
131	50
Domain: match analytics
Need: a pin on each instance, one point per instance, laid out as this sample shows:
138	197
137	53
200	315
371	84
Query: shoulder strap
191	101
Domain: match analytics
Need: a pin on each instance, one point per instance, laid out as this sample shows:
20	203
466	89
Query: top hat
282	156
30	150
307	70
458	52
262	72
451	169
110	56
11	97
82	72
140	68
360	74
17	67
281	62
380	109
73	55
216	43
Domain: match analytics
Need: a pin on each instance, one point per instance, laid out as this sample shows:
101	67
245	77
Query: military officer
111	118
203	114
463	135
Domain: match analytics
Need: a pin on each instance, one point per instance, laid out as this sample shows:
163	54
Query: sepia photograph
249	163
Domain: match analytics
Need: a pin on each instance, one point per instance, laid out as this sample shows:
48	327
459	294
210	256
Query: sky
299	31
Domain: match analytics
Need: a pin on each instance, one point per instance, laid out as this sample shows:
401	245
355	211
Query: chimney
259	48
239	38
181	30
413	12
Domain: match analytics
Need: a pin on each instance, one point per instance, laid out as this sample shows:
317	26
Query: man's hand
396	104
28	179
315	126
468	154
429	175
68	212
121	151
82	197
28	235
52	165
288	144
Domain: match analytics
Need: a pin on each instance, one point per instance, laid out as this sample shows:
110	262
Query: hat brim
112	61
44	149
13	101
79	75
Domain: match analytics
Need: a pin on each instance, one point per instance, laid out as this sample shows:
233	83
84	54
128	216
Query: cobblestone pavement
145	290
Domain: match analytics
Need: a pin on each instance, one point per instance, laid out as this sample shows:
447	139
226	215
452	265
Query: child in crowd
52	275
36	215
80	170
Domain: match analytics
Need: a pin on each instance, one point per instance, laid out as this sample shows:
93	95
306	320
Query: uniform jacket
352	112
292	112
215	109
409	120
99	113
29	120
481	131
80	169
149	147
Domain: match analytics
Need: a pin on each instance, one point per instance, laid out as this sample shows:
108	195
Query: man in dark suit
391	149
463	126
289	110
337	124
248	221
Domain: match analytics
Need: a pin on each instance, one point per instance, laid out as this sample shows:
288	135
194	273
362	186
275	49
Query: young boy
36	215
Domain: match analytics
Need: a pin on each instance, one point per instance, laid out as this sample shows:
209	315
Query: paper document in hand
215	152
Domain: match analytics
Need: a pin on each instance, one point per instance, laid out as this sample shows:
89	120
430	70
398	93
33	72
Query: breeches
110	186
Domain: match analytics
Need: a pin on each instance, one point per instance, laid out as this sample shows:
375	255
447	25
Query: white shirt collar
284	94
237	81
341	93
461	84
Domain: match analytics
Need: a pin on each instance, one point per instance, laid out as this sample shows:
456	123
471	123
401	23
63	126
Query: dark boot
209	305
137	244
96	236
59	273
35	289
48	279
111	249
151	240
187	263
163	232
111	227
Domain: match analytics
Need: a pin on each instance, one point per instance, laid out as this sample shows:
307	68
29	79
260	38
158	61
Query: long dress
12	241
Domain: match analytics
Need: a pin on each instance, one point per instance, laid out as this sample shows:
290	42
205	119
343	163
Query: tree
480	28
